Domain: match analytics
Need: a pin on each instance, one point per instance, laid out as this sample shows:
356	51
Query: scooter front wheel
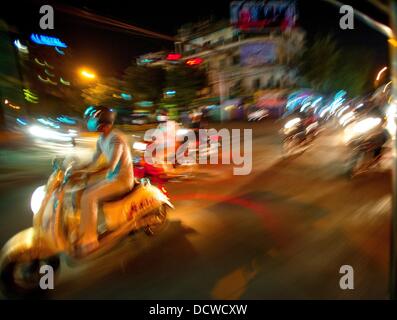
22	278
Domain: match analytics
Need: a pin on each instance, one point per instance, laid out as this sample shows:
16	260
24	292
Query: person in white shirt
120	175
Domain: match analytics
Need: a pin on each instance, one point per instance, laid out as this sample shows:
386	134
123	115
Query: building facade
241	63
251	52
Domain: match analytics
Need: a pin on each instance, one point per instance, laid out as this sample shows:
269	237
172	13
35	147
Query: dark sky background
109	52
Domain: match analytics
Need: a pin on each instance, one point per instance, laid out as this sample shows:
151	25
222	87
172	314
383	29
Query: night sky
109	51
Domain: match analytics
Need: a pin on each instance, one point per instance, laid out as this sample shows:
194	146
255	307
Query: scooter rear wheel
161	217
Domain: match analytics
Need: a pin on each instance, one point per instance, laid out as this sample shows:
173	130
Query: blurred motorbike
56	223
297	136
161	170
366	139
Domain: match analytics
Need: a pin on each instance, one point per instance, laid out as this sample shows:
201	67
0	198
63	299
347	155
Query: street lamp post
393	229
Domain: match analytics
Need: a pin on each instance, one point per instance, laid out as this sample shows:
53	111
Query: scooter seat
123	195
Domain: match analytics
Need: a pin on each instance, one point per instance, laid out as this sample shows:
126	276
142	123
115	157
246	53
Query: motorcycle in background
297	137
365	139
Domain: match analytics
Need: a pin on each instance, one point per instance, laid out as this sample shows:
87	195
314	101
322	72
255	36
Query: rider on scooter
169	129
380	136
120	175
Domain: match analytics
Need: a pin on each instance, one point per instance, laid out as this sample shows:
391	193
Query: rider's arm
97	154
117	153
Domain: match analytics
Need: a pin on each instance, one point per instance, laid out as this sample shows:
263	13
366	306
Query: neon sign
126	96
48	80
48	73
64	82
30	96
47	41
21	48
194	61
174	56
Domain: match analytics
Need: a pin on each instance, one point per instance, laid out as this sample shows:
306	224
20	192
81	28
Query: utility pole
393	222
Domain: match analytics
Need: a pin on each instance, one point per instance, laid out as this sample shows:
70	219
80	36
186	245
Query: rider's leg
90	201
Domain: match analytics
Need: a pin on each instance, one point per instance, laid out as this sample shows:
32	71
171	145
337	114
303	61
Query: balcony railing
268	32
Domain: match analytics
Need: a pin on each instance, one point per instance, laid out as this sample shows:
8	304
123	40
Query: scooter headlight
37	199
292	123
140	146
360	128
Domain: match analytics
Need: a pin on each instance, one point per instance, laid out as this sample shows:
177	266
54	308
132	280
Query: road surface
282	231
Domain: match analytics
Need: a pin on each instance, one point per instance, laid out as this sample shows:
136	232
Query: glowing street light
87	74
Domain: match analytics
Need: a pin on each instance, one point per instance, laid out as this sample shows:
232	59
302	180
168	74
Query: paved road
281	232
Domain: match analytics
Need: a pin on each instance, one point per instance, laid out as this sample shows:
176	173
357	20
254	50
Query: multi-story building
48	73
241	63
12	102
244	55
37	77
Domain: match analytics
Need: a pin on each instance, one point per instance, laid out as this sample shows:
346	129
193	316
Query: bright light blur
37	199
87	74
257	115
140	146
380	73
20	47
391	119
48	134
386	86
72	133
346	118
361	127
342	111
324	112
292	123
182	132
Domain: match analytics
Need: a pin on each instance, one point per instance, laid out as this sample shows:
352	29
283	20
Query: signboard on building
257	16
256	54
151	57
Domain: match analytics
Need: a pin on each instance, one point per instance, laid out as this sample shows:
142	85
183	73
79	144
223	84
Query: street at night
270	235
197	160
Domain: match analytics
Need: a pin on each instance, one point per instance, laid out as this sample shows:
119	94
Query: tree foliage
106	91
145	83
148	84
327	68
186	82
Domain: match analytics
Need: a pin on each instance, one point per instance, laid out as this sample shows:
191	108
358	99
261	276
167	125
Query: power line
112	22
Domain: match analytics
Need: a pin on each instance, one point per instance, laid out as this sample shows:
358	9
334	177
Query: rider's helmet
97	116
162	117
